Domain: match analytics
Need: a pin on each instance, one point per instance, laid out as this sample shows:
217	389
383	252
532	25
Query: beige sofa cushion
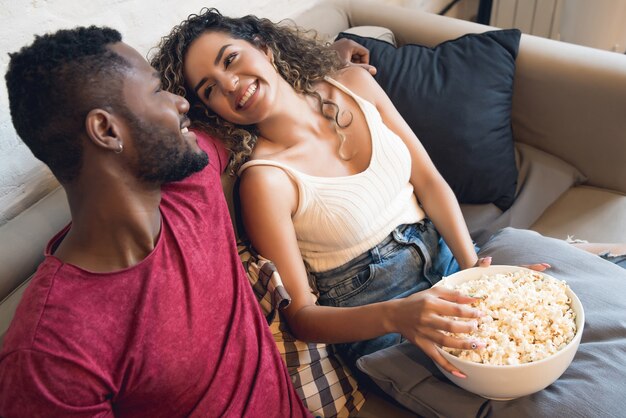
542	180
586	212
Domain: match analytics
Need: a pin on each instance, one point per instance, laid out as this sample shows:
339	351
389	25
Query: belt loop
375	253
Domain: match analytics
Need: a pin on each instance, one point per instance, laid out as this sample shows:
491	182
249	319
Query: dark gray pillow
456	97
592	386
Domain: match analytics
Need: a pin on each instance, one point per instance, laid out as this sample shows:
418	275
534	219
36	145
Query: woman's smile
248	96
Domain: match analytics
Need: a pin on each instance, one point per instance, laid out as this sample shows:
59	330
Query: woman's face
235	79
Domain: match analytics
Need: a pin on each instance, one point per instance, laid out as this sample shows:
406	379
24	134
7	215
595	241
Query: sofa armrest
568	99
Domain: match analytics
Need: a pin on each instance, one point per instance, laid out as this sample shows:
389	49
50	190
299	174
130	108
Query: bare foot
613	249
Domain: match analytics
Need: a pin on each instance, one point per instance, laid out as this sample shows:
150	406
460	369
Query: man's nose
181	104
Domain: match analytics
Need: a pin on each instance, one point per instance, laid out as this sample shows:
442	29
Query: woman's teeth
248	94
184	130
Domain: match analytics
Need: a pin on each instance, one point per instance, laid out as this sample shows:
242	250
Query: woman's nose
229	83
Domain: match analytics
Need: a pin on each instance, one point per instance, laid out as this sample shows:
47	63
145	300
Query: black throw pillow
456	97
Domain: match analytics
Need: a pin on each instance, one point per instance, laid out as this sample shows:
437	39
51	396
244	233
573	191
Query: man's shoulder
215	149
201	186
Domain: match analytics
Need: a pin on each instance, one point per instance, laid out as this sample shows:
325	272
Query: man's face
161	148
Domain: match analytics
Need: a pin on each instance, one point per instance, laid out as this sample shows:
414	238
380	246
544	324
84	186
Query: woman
333	181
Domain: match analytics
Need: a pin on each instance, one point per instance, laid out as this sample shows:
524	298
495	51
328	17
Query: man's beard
162	157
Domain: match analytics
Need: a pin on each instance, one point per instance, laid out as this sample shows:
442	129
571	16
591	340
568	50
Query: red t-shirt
179	334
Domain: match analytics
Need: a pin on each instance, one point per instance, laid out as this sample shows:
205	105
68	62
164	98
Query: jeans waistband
374	254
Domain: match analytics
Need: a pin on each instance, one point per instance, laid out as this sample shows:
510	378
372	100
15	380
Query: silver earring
119	149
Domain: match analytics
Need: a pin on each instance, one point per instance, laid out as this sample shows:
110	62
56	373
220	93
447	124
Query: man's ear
103	130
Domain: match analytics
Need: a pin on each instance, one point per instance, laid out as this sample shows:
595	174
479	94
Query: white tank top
339	218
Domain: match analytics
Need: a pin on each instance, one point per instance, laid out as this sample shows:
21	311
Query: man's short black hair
54	83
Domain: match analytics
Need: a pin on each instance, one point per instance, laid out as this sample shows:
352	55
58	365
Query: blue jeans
411	259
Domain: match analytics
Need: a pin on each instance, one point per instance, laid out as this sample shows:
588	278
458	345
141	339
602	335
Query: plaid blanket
326	387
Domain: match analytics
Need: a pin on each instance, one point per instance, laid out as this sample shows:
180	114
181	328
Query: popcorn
527	317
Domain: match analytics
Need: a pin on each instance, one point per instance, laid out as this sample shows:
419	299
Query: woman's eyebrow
220	53
216	62
195	89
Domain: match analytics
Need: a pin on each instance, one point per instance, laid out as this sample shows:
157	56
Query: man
141	306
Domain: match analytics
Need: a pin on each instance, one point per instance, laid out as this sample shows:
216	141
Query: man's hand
353	53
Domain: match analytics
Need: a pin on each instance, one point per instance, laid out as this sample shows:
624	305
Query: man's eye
229	59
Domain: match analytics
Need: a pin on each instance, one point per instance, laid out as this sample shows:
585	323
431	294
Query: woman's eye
207	91
229	59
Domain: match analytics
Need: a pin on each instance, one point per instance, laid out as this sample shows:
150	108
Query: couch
567	121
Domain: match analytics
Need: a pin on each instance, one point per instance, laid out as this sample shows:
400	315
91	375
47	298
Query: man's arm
353	53
36	384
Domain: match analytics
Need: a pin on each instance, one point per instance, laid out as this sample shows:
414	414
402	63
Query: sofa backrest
22	241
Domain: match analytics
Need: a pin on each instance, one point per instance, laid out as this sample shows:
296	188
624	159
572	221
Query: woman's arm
269	199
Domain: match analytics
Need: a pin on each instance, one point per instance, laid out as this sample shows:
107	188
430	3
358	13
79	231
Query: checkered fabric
325	386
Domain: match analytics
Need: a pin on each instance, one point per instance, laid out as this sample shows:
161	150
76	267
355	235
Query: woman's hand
486	262
483	262
421	318
353	53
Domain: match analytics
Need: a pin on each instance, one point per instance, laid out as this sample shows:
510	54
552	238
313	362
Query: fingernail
546	265
458	374
477	344
487	258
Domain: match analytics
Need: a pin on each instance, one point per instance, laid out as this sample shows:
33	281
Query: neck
294	117
115	223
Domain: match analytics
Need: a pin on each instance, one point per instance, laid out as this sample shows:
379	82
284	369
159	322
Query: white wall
599	24
23	179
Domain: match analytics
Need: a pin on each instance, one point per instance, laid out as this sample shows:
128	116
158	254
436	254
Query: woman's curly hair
300	59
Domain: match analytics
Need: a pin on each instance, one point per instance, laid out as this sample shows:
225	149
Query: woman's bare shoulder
262	175
359	81
263	183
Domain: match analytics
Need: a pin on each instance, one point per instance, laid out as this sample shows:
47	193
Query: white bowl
509	382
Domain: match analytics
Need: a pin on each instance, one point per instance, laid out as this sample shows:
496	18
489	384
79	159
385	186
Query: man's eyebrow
217	61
